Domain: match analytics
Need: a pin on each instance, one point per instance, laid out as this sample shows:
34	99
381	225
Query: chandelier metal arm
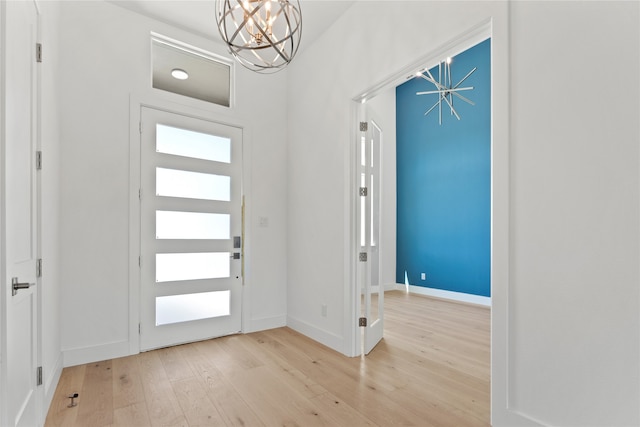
434	106
451	106
468	101
444	90
465	77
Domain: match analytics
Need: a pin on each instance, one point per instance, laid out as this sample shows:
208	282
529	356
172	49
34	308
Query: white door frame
200	110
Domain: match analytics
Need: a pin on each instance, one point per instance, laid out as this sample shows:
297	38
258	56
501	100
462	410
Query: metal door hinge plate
38	160
364	126
39	375
39	267
362	256
364	191
362	321
38	52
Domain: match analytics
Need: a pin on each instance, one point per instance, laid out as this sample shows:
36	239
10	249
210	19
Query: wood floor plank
174	363
195	403
95	403
229	403
341	413
127	385
132	415
161	401
71	381
276	403
295	378
431	369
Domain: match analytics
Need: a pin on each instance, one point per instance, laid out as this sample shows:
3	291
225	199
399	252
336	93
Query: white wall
105	58
574	293
51	361
565	327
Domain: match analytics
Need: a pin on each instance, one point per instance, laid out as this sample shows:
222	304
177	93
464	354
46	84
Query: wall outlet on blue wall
423	276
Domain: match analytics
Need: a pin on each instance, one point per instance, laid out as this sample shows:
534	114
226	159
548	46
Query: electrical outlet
324	310
423	276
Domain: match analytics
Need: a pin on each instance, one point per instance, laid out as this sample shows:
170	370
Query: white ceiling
198	16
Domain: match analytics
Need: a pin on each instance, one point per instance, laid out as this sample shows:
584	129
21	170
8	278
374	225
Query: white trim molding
450	295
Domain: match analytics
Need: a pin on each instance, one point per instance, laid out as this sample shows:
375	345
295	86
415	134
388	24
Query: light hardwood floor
431	369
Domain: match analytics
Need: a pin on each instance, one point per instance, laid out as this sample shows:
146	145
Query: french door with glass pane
191	229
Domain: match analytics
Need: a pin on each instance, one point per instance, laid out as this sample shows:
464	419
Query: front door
191	229
19	353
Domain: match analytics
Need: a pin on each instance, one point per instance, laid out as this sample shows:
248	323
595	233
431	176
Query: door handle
15	286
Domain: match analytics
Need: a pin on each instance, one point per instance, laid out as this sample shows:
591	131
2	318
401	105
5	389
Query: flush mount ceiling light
179	74
445	88
263	35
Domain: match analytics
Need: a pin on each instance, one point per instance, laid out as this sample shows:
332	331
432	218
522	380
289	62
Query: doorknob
15	286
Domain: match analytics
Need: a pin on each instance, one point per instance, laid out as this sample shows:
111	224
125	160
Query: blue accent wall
444	181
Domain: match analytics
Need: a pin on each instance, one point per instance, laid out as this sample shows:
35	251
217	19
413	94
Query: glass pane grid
197	145
188	307
192	185
192	225
174	267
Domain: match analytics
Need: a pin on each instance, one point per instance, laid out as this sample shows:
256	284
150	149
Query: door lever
15	286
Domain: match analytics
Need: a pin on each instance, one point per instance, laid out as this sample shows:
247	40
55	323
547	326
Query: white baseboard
390	287
329	339
264	323
439	293
80	356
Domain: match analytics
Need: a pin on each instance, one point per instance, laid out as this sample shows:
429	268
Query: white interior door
20	398
368	232
191	229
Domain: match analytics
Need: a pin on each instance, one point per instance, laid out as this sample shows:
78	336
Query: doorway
191	229
380	101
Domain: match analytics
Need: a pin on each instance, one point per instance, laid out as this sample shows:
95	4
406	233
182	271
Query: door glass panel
192	185
363	212
192	225
187	143
183	308
192	266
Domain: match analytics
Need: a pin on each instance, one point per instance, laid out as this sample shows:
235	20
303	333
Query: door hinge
140	127
363	191
364	126
139	260
38	52
139	193
362	321
39	375
38	160
139	328
363	257
39	267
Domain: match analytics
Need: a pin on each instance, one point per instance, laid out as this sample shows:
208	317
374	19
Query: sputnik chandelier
263	35
445	88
